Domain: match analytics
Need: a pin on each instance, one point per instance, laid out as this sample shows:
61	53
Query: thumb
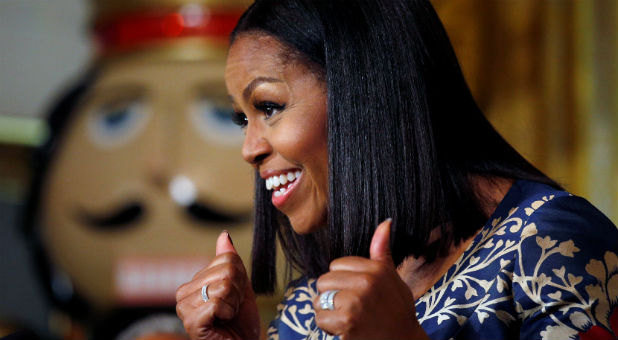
224	244
380	249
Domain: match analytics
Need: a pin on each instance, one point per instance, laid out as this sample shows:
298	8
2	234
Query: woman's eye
269	108
116	123
239	119
217	123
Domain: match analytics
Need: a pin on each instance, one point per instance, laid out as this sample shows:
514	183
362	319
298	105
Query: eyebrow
255	82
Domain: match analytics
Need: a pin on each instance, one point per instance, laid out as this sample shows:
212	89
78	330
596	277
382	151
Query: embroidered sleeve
565	278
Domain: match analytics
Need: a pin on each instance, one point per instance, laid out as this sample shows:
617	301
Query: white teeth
282	190
275	181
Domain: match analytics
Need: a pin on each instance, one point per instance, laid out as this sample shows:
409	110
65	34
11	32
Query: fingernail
229	237
390	219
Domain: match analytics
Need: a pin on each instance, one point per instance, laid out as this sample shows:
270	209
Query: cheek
304	141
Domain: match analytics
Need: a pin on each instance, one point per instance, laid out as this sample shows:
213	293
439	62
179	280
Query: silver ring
327	300
205	297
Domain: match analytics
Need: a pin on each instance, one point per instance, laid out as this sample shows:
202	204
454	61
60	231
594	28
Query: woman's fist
226	308
371	300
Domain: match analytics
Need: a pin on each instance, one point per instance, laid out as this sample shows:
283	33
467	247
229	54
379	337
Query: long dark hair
404	133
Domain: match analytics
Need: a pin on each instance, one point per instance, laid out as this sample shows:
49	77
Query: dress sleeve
565	280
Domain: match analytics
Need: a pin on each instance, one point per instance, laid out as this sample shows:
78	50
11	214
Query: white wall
43	45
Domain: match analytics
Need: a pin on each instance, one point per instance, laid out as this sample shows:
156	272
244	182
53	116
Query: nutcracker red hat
177	28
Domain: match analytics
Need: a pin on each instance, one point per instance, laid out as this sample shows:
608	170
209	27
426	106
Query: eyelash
239	119
268	108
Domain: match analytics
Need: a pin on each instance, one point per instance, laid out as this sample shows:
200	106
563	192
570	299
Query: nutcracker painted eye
214	122
116	123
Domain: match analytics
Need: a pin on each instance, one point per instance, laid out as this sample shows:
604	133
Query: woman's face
282	109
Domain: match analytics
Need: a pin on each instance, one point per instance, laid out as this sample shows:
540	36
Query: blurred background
544	72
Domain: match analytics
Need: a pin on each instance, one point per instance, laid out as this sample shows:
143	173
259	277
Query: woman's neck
421	276
490	191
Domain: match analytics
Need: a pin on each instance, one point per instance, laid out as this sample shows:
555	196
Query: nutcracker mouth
141	280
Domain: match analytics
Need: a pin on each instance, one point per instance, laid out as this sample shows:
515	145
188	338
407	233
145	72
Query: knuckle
319	284
354	303
322	281
226	290
216	302
234	274
181	292
180	311
334	263
316	303
366	281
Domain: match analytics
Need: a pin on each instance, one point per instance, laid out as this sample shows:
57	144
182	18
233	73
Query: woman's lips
283	185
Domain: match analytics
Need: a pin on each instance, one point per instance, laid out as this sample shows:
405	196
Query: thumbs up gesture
371	300
218	303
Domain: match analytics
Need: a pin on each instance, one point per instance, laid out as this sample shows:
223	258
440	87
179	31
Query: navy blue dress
545	266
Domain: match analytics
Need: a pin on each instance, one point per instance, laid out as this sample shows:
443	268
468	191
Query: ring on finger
327	300
205	297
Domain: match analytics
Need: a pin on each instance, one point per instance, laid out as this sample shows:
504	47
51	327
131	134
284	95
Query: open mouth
280	184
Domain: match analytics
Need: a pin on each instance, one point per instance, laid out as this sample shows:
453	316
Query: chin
304	225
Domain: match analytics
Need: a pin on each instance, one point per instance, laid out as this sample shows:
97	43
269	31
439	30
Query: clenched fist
230	310
371	300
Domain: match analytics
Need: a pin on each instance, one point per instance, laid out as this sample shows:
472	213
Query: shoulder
566	265
543	210
559	215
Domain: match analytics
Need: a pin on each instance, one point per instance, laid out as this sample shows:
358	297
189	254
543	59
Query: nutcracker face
148	173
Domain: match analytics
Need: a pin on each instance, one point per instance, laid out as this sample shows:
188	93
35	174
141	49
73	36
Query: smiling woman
271	101
406	213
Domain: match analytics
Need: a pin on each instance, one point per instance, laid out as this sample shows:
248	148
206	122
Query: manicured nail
390	219
229	237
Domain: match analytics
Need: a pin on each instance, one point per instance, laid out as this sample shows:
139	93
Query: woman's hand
231	310
372	301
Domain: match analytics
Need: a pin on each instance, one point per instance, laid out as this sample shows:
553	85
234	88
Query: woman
356	115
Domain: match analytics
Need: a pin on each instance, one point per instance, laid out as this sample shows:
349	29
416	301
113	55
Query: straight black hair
405	135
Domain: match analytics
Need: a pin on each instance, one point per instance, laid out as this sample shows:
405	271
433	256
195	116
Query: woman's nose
256	147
